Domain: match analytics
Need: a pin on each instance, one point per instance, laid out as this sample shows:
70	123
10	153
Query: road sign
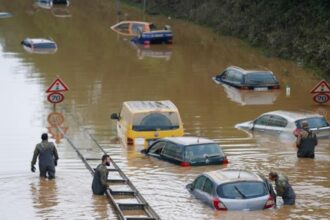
57	86
55	119
55	97
321	98
321	87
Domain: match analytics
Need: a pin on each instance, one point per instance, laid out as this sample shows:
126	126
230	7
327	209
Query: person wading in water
47	157
100	185
306	141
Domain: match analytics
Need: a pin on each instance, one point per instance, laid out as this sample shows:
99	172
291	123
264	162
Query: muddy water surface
102	70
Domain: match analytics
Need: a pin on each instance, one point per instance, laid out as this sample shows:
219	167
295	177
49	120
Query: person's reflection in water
44	195
100	204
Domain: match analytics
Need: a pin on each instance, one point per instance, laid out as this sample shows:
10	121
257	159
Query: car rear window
44	45
315	122
260	78
203	151
155	121
242	190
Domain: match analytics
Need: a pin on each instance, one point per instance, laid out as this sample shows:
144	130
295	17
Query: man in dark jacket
47	157
283	188
100	185
306	141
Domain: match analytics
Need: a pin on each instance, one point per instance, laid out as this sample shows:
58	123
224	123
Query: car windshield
242	190
155	121
316	122
202	152
260	78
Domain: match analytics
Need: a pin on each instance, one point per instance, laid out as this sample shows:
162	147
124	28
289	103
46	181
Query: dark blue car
187	151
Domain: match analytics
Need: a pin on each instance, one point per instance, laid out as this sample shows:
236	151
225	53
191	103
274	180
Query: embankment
292	29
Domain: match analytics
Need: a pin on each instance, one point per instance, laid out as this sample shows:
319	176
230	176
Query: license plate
261	89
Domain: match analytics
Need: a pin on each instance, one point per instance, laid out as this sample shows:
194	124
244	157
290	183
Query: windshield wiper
239	191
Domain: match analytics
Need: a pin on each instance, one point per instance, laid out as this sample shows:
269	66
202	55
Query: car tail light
219	205
146	42
275	87
270	202
225	161
185	164
130	141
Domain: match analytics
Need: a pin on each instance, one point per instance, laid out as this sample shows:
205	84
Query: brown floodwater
103	69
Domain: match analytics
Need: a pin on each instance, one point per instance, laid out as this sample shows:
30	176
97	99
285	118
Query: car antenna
198	140
239	173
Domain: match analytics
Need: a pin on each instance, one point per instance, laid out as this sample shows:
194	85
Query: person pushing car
283	188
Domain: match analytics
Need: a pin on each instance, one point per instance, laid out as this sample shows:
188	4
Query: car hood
245	125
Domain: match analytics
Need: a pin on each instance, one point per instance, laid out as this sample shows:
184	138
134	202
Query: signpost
54	89
320	92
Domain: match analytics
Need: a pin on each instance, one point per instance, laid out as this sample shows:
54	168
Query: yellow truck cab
142	122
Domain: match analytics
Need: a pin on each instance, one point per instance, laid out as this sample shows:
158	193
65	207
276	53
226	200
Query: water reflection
153	51
44	196
101	205
250	97
56	126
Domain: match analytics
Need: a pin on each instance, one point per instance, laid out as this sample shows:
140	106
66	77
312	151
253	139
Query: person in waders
283	188
306	141
47	155
100	185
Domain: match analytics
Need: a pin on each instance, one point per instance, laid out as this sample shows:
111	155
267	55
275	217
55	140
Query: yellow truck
142	122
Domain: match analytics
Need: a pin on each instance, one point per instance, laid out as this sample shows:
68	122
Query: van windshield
156	121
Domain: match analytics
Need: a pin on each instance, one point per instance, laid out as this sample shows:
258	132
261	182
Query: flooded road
102	70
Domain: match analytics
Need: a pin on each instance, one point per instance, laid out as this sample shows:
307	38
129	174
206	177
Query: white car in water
286	121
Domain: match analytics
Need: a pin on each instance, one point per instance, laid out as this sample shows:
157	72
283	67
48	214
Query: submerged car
37	45
187	151
143	122
256	80
233	190
5	14
287	121
144	32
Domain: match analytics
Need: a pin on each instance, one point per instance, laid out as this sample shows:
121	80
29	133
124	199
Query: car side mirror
190	187
115	116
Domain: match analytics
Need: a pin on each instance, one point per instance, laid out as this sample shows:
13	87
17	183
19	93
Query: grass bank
292	29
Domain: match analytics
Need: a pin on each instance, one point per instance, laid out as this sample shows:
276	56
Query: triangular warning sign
321	87
57	86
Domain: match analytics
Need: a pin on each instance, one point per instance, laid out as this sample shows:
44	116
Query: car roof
249	71
147	106
232	175
293	116
189	140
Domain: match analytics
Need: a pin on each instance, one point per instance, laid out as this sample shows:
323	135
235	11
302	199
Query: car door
207	192
261	123
197	188
172	152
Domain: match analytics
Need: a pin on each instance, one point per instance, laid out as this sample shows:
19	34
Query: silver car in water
229	189
287	121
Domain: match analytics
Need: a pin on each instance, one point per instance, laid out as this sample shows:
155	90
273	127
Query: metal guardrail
135	211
